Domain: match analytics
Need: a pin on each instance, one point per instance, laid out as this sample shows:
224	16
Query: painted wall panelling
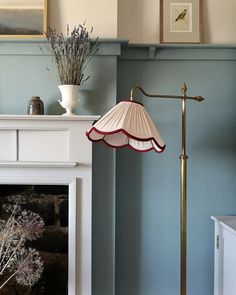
147	199
143	224
25	72
28	66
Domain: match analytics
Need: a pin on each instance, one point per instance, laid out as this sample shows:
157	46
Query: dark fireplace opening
51	203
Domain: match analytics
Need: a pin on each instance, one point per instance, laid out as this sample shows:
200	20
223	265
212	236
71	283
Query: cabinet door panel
229	264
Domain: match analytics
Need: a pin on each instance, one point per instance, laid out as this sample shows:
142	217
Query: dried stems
72	53
16	260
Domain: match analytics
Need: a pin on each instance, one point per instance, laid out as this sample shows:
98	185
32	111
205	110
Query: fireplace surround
53	151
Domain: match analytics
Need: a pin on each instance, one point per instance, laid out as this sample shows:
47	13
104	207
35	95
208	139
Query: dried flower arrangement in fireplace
72	53
16	259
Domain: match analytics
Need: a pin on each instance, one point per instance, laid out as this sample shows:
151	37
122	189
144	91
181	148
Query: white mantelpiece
53	150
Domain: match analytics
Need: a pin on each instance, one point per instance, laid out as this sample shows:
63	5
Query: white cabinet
225	255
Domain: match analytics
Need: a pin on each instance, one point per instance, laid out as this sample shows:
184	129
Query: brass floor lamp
129	125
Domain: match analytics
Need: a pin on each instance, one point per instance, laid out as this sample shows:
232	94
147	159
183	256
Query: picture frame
23	18
180	21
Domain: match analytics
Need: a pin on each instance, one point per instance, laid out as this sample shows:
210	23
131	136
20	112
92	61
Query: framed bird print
180	21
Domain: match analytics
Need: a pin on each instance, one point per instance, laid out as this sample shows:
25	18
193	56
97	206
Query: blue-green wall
136	196
26	71
147	199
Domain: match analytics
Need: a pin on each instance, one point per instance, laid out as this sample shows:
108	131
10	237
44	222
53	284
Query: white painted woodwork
43	145
8	145
225	255
53	150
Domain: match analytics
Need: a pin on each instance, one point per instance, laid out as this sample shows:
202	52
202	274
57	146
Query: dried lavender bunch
16	259
72	53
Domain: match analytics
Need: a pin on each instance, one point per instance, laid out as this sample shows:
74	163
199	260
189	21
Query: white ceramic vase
69	98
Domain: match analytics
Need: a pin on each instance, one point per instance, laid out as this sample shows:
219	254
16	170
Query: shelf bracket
151	52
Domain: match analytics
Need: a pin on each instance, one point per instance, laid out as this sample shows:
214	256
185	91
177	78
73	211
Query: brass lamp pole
128	124
183	176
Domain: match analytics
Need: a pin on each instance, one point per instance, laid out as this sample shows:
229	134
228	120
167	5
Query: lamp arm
196	98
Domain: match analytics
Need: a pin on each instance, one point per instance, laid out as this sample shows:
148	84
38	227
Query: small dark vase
35	106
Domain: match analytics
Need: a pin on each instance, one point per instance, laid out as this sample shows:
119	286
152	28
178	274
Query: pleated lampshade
127	124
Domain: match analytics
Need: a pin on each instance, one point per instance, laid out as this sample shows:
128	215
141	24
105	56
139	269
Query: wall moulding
36	47
124	50
178	52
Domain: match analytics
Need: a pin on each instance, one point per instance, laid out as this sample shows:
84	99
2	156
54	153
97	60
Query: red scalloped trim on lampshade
162	148
133	126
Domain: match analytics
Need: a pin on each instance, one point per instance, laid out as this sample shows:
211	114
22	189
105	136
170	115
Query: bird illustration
181	16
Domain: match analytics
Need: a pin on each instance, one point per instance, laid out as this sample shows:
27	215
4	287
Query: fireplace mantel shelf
35	164
49	117
43	140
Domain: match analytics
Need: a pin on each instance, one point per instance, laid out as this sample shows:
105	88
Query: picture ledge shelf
180	45
126	43
115	47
